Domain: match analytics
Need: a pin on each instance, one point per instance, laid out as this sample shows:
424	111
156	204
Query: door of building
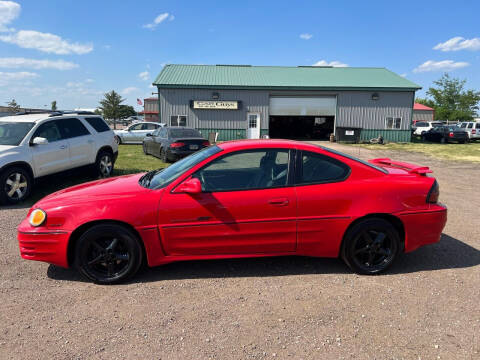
253	130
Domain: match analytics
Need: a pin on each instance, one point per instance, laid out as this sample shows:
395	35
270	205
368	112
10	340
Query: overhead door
303	106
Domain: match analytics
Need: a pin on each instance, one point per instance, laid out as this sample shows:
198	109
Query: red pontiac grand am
246	198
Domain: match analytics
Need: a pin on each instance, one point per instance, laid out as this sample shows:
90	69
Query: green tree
98	111
13	106
54	105
110	106
126	111
451	101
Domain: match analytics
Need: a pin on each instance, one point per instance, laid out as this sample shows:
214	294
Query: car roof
25	118
259	143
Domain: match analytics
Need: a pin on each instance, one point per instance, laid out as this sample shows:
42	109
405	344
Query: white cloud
89	80
306	36
46	42
158	20
444	65
9	11
129	90
20	62
459	43
331	63
144	75
403	75
13	77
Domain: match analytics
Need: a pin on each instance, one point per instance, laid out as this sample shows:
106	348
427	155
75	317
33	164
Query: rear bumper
43	244
423	227
177	154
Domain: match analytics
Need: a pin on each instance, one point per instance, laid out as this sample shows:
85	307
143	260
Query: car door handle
278	202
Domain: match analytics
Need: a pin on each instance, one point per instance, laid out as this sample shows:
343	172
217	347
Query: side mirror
39	141
190	186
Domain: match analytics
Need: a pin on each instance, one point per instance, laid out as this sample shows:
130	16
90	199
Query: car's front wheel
108	254
16	183
118	140
104	164
371	246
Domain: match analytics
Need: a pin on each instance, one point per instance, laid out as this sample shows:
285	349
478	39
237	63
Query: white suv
472	128
421	127
35	145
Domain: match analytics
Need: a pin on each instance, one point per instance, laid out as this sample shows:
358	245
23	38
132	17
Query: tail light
177	144
451	134
474	131
206	143
433	194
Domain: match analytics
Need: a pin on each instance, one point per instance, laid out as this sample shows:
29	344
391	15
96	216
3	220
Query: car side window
318	169
421	124
470	125
151	126
71	128
98	124
246	170
136	127
49	131
163	133
477	125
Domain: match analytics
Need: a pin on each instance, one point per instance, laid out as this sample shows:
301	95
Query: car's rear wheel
104	164
108	254
371	246
16	184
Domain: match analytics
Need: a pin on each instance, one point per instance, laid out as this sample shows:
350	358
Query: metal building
305	102
422	113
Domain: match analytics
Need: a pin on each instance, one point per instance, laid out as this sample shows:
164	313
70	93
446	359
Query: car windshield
12	133
179	133
159	178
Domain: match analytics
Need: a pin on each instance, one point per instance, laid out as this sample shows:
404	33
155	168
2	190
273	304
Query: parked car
35	145
445	134
472	128
239	199
173	143
135	133
422	127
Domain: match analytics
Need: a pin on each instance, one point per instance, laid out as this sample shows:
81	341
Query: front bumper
43	244
423	227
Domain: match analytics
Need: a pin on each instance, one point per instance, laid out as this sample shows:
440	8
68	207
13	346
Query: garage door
303	106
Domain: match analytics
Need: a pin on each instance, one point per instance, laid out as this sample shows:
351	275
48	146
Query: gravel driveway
426	307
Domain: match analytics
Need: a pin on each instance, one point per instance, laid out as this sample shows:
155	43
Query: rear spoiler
411	168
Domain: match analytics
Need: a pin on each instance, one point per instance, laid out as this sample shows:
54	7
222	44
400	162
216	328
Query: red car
246	198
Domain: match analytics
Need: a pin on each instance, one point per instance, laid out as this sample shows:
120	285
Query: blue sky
74	51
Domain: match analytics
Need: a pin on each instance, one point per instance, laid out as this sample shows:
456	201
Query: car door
132	134
247	206
81	144
323	199
52	157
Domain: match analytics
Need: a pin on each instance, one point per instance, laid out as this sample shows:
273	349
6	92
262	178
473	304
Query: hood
6	148
100	190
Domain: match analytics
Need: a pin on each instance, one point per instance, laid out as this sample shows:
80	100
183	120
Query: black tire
104	164
16	184
424	138
118	140
442	140
370	246
144	149
163	155
108	254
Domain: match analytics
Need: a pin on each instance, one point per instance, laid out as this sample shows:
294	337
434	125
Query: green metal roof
280	77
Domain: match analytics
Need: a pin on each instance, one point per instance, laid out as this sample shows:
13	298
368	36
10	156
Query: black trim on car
299	169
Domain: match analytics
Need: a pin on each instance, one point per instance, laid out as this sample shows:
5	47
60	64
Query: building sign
215	104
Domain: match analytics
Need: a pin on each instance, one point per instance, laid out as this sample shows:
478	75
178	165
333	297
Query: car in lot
135	133
421	127
472	128
445	134
36	145
246	198
173	143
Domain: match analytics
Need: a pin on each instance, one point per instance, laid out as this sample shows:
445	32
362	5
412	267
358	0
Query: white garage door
303	106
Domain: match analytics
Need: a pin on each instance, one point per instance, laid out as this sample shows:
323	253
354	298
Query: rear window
179	133
70	128
317	169
98	124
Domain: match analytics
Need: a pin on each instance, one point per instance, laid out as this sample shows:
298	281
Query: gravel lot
426	307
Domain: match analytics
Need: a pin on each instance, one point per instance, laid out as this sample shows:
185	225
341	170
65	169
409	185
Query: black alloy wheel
371	246
108	254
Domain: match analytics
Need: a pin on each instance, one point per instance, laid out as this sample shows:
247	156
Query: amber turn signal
37	217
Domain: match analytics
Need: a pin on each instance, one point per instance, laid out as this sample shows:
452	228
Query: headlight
37	217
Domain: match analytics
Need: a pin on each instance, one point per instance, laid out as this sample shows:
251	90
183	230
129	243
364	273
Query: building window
178	120
393	123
